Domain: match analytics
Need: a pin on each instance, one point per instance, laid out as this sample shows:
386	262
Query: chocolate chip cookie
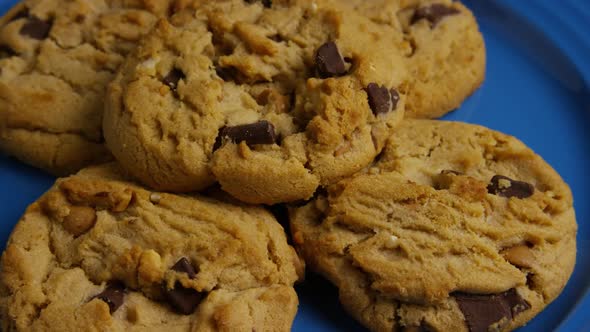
455	228
99	253
56	58
270	100
444	51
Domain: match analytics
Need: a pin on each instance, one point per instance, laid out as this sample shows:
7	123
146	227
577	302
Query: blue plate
537	88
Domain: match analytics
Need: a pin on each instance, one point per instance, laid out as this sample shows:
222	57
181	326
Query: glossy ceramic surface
537	89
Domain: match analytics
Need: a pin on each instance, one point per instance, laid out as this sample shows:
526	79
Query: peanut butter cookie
444	51
455	228
270	100
56	59
100	253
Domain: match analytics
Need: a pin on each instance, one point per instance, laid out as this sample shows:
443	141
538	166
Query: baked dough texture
455	228
99	253
444	51
271	102
56	59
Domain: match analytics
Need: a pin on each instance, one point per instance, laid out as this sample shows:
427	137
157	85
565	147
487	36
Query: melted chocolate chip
381	99
433	13
6	51
113	295
329	62
483	311
36	28
261	132
173	77
183	265
183	300
506	187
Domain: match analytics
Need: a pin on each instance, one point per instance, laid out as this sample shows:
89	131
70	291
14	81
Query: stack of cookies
186	122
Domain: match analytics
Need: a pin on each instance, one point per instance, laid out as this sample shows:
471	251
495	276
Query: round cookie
99	253
456	228
444	54
271	101
56	59
443	48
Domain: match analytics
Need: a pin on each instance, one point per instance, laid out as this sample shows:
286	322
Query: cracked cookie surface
455	228
99	253
270	101
444	51
56	59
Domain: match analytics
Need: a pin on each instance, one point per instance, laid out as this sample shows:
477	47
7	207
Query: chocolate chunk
228	74
506	187
173	77
261	132
184	300
433	13
329	62
6	52
113	295
483	311
277	38
265	3
381	99
516	303
36	28
80	18
183	265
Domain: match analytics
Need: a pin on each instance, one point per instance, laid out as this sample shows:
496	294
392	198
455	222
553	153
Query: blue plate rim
561	25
